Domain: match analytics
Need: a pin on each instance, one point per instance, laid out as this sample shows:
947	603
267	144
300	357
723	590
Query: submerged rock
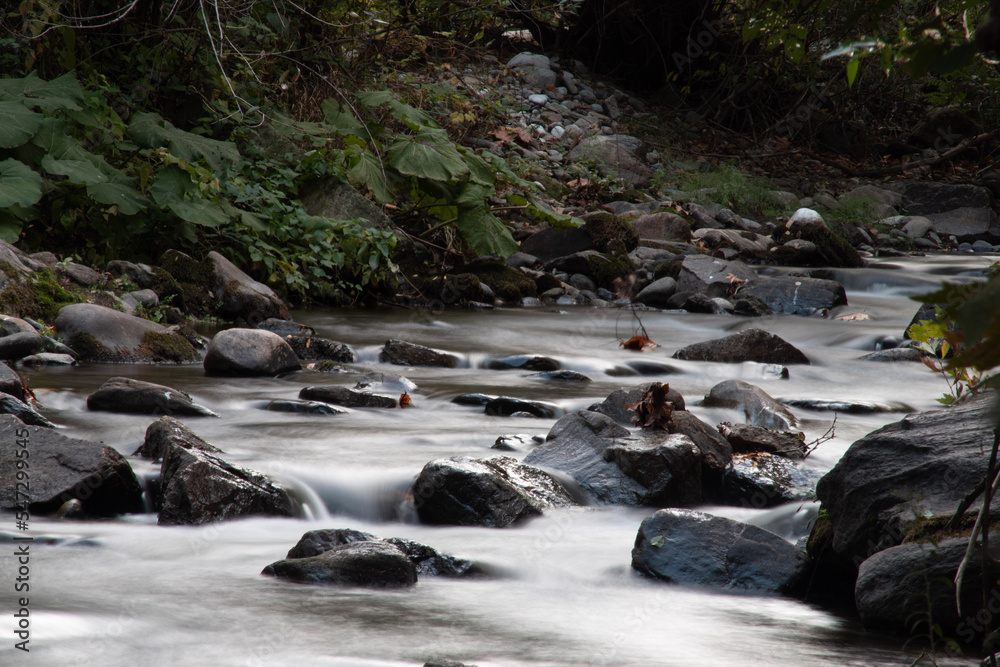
494	492
63	469
375	563
749	345
506	406
523	362
757	405
120	394
694	548
303	407
249	352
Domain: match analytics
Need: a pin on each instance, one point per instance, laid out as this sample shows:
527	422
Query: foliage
938	341
731	187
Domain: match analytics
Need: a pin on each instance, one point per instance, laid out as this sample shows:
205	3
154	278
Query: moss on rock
89	348
669	269
38	296
166	347
508	283
605	269
611	234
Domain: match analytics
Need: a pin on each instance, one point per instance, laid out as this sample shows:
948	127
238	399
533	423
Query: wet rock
241	297
694	548
146	298
764	480
515	442
494	492
654	368
506	406
142	275
657	293
166	433
614	405
795	295
748	345
376	381
740	241
937	457
286	327
852	407
18	345
314	348
80	274
402	353
897	589
120	394
670	467
374	564
302	407
65	468
346	397
523	362
561	376
750	306
711	276
10	382
474	399
967	224
197	488
249	352
715	450
895	354
103	335
48	359
428	561
10	405
751	439
550	243
757	405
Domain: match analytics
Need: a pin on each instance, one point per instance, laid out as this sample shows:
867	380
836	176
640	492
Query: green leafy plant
938	339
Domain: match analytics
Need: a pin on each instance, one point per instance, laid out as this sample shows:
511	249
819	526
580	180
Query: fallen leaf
404	400
638	343
653	410
525	137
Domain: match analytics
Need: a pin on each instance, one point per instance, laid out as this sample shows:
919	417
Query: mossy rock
669	269
832	248
38	296
89	348
454	288
611	234
605	269
167	348
547	281
191	280
507	283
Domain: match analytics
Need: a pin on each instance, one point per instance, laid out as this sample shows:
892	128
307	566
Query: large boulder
166	433
120	394
367	563
715	449
903	473
104	335
795	295
669	467
616	156
249	352
549	243
757	405
694	548
494	492
197	488
10	382
401	353
241	297
748	345
63	469
928	197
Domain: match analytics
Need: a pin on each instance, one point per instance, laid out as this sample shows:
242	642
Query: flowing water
127	591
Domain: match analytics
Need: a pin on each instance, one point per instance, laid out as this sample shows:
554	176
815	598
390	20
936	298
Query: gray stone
748	345
694	548
525	362
377	381
507	406
249	352
140	274
315	348
125	395
561	376
657	293
401	353
764	480
80	274
750	439
241	297
11	405
668	467
924	198
795	295
166	433
103	335
983	246
730	238
303	407
966	224
14	325
10	382
663	225
18	345
494	492
614	405
701	273
615	156
917	227
346	397
895	354
63	469
372	564
886	198
757	405
535	69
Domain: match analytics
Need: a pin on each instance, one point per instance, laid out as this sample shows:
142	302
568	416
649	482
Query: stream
127	592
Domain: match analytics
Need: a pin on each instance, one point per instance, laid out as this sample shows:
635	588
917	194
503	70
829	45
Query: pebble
538	99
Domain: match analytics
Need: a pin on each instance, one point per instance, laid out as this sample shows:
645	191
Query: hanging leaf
17	124
204	212
76	169
480	171
427	154
852	71
369	171
128	200
61	93
19	184
414	118
151	131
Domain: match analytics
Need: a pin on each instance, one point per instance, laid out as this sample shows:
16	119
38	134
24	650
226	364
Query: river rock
11	405
561	376
494	492
757	405
847	405
506	406
616	156
748	345
369	563
917	468
14	325
241	297
657	293
428	561
166	433
549	243
663	225
523	362
402	353
895	354
694	548
21	344
286	327
714	277
48	359
614	405
63	469
670	467
535	69
303	407
249	352
899	587
795	295
197	488
765	480
928	197
716	450
10	382
967	224
104	335
120	394
314	348
377	381
346	397
751	439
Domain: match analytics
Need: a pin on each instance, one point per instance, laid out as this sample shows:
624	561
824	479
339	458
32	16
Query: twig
830	434
984	514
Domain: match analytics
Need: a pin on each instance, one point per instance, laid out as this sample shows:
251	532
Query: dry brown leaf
653	410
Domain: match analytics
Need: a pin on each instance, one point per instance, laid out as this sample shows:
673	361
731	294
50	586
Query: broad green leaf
151	131
204	212
400	111
62	93
368	170
480	171
852	71
427	154
80	171
541	210
503	168
658	541
128	200
172	186
18	124
340	120
482	230
54	137
19	184
10	227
